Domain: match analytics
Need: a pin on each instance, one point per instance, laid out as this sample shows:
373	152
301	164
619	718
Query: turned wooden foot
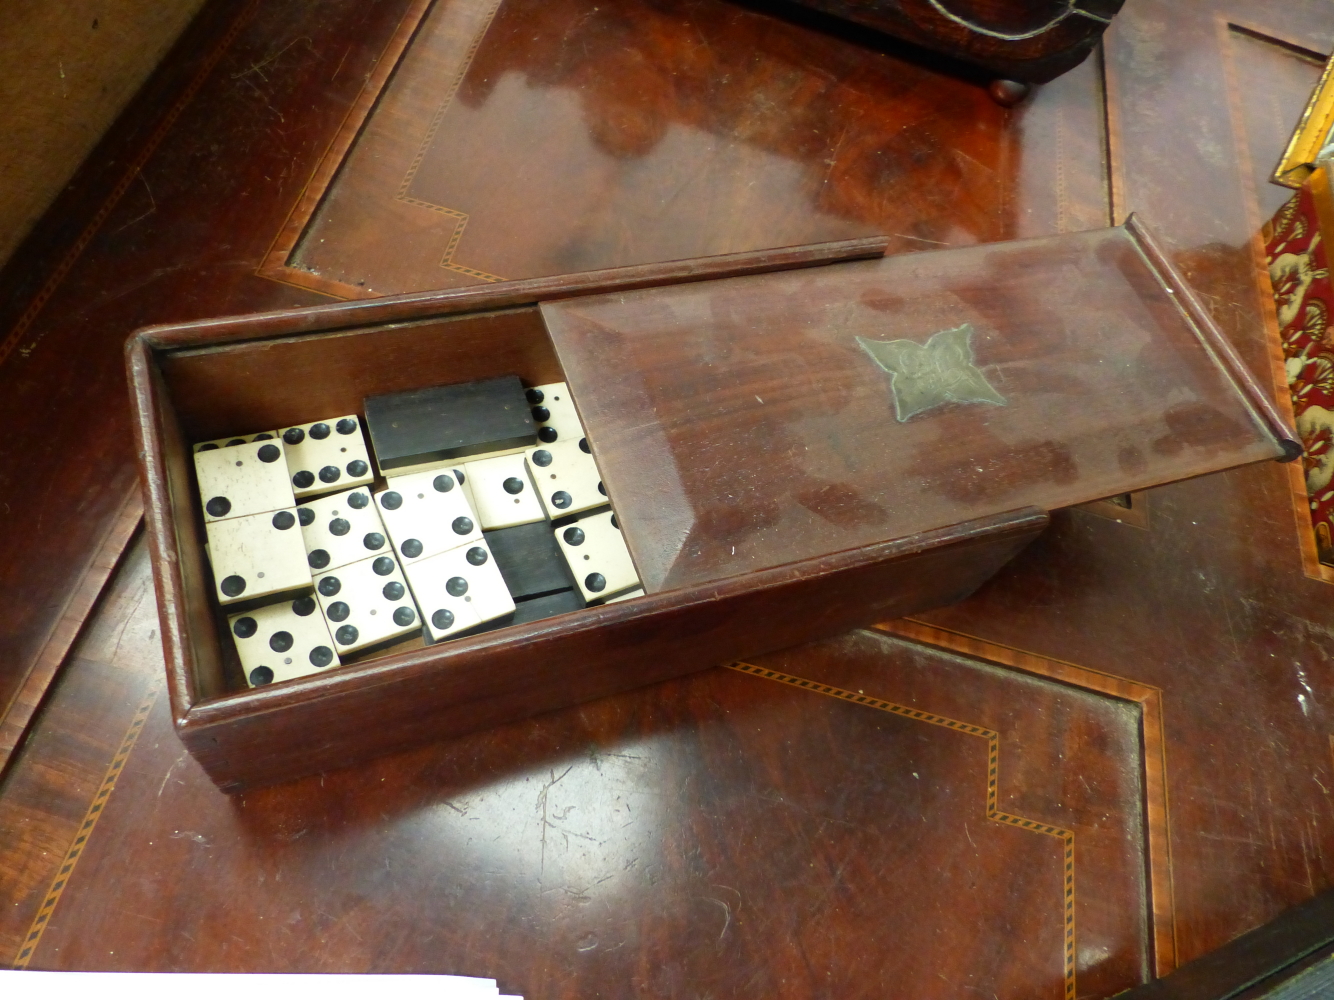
1008	93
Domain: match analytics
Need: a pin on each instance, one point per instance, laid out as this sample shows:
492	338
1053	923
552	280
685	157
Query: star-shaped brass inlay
940	371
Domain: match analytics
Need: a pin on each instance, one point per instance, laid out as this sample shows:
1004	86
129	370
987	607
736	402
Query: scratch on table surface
339	67
1231	839
832	160
152	207
258	67
795	807
921	239
170	769
542	808
1306	860
727	915
567	834
141	916
123	290
265	98
120	636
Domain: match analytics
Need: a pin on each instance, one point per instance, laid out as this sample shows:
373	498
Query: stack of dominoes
493	513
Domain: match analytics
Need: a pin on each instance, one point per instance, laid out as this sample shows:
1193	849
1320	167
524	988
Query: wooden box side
195	669
259	385
503	294
471	684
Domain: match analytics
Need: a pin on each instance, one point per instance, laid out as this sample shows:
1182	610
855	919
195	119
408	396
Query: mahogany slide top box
795	442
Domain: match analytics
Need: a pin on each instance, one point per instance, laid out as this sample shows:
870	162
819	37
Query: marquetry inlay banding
1066	837
85	831
447	260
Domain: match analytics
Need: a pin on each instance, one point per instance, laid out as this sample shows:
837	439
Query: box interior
252	386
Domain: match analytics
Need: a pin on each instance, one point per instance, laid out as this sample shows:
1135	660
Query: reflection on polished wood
572	136
1213	602
1149	699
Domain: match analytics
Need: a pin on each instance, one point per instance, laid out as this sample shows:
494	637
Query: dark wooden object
188	379
1309	980
754	525
1286	959
1032	40
731	508
529	560
449	422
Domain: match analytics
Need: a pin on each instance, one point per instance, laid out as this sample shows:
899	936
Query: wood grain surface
1210	600
744	831
568	137
1217	602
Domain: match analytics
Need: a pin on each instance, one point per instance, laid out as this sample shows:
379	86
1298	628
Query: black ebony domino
529	559
449	422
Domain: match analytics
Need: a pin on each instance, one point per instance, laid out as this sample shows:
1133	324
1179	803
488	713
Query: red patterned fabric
1299	271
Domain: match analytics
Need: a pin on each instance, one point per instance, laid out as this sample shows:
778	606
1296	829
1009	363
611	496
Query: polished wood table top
737	833
1150	683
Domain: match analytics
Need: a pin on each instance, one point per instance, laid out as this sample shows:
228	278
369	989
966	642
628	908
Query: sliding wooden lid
750	422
